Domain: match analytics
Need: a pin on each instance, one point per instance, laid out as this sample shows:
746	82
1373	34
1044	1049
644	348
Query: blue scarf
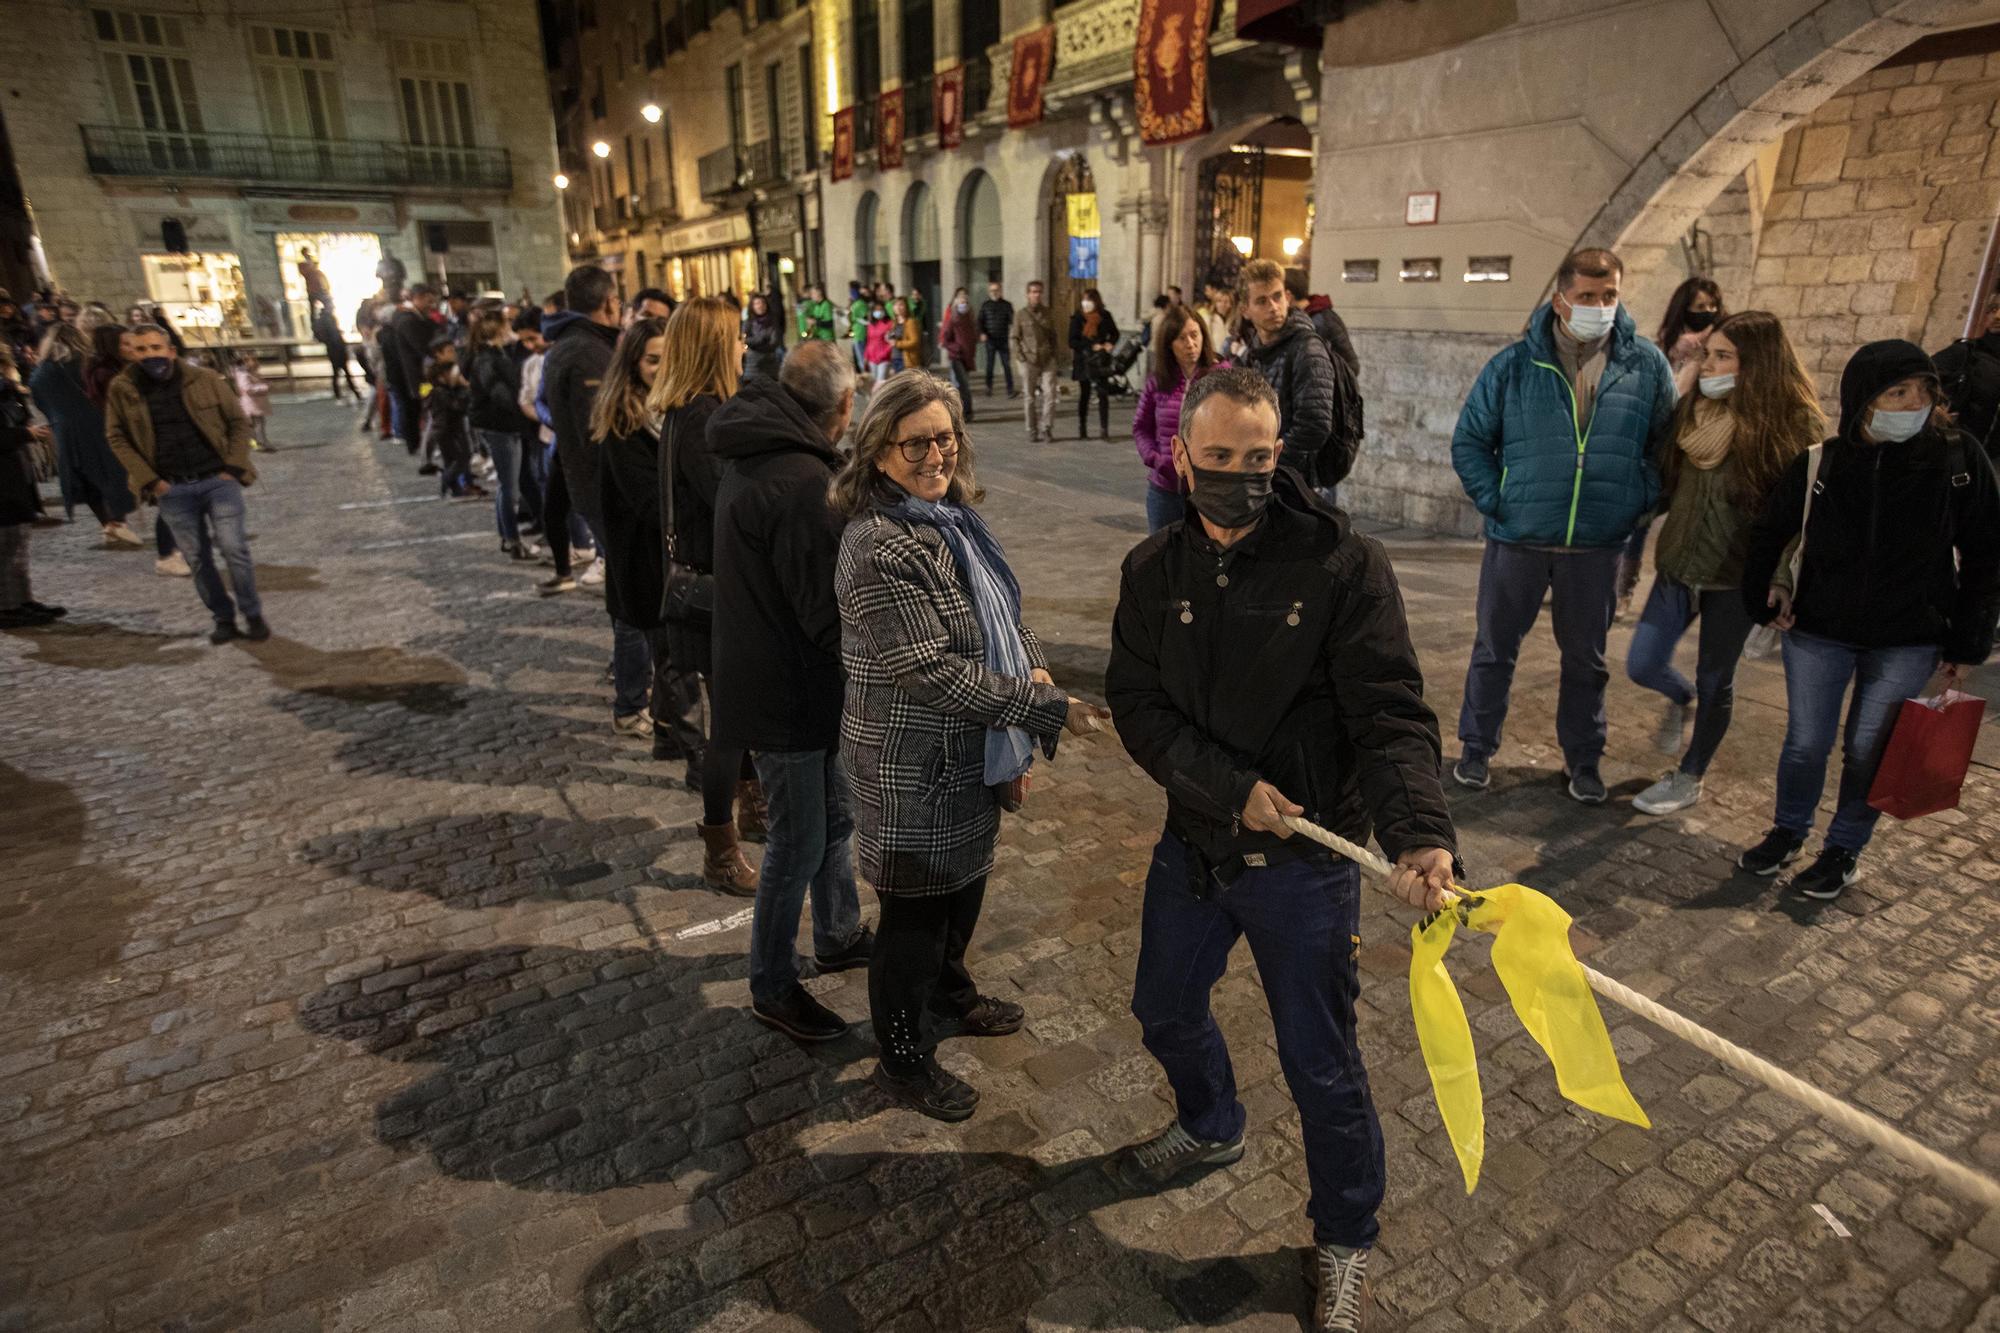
996	600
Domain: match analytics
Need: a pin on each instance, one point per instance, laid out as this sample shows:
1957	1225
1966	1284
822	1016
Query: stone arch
871	244
979	240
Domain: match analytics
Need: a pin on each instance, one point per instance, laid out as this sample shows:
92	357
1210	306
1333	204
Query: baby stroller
1108	368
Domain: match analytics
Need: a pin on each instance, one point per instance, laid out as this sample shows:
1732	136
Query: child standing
253	394
447	411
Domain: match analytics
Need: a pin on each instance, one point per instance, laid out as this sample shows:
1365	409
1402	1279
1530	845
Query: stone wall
1415	384
1881	211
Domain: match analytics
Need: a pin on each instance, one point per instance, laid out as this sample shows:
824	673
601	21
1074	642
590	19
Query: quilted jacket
1540	476
1300	368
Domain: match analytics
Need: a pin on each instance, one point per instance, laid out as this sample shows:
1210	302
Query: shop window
348	260
201	293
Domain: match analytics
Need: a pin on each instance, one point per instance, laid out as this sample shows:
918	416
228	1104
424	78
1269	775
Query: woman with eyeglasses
948	695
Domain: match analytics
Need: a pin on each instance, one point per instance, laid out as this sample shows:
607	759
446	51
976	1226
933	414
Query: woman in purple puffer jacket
1181	355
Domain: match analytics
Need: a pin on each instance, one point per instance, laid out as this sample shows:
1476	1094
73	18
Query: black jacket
1298	366
20	494
777	681
405	344
766	340
996	320
697	475
1971	375
1904	542
496	390
1296	669
1080	345
579	352
629	514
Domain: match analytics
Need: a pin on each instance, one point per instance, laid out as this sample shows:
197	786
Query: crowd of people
807	610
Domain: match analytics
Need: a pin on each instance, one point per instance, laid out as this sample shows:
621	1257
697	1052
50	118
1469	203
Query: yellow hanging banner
1446	1039
1082	214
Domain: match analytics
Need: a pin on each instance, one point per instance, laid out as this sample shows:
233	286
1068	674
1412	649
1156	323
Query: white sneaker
117	534
174	566
1673	728
640	724
1675	791
579	556
592	577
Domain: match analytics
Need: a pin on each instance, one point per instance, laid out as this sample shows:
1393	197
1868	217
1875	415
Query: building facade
191	154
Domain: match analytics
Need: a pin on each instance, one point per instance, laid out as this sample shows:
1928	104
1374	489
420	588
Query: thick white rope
1974	1185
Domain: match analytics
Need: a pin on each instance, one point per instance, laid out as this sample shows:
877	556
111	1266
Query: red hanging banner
949	98
889	155
1034	59
843	144
1170	70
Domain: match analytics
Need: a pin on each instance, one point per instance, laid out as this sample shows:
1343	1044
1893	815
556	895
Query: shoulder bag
688	594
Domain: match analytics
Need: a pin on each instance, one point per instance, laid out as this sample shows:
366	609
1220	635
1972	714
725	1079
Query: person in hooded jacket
1897	579
1555	448
1970	372
777	681
1261	668
1290	354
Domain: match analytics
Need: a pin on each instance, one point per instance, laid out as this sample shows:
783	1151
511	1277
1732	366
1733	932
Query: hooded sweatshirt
1903	545
777	682
572	371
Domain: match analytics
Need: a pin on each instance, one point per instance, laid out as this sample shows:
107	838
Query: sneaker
800	1017
1831	871
1471	771
118	534
634	724
173	565
1153	1165
256	629
1585	786
855	954
44	609
1778	850
1675	791
224	631
933	1091
522	551
1342	1296
989	1017
592	577
560	583
1673	726
580	556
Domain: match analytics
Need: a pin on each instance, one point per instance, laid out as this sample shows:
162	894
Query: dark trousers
1725	625
1512	581
454	445
916	975
1303	921
1084	389
961	380
408	416
997	351
556	515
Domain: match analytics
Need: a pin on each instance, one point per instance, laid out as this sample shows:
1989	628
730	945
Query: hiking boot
989	1017
723	867
855	954
1342	1296
1471	771
800	1017
224	631
753	815
1778	850
932	1090
1153	1165
1586	787
1830	873
1673	728
1675	791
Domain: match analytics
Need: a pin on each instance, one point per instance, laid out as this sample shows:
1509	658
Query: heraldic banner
843	144
1034	58
889	152
949	98
1170	70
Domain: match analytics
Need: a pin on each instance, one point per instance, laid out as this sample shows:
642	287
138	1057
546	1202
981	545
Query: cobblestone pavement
363	979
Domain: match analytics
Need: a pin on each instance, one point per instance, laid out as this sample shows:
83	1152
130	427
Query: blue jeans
1725	625
1303	919
407	419
999	352
1163	507
207	516
631	668
1512	580
809	845
1817	673
505	447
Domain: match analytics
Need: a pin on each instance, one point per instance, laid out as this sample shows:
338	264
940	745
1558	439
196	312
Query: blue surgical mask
1588	323
159	367
1896	427
1716	386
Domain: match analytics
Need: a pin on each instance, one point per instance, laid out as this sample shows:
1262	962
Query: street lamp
562	181
1244	245
651	112
1291	245
601	148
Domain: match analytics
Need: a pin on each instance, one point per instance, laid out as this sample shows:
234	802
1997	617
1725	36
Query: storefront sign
778	218
890	155
1170	70
203	233
949	98
323	215
1034	58
843	143
709	233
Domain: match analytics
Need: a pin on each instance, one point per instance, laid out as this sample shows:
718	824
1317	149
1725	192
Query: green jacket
816	320
1706	534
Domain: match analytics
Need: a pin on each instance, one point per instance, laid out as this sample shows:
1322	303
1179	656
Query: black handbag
688	594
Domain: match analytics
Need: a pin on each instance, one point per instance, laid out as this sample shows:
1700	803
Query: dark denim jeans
809	846
1817	673
1512	580
631	668
206	517
961	380
505	448
1303	922
1163	507
1725	625
999	351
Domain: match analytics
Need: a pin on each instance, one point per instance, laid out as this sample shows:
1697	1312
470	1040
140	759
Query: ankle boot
753	816
723	867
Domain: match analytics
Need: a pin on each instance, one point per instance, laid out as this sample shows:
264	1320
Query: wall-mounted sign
1421	209
323	215
709	233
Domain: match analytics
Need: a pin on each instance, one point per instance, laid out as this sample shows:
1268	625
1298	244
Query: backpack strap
1815	456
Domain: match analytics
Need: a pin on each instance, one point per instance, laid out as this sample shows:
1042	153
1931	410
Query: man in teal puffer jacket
1557	446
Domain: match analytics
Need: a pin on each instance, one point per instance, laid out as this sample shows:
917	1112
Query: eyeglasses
918	447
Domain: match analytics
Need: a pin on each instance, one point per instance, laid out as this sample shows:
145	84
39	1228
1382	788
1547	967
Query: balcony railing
606	217
761	163
727	170
978	86
113	150
868	124
717	172
919	115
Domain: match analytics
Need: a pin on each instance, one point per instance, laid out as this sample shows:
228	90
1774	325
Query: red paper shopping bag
1929	751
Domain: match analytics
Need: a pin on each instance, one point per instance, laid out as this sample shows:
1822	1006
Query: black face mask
1699	321
1230	499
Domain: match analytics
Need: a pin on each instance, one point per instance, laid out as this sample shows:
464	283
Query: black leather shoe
989	1017
856	954
932	1090
44	609
800	1017
256	630
224	631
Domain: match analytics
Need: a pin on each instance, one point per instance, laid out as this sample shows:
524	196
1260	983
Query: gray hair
820	378
860	483
1238	384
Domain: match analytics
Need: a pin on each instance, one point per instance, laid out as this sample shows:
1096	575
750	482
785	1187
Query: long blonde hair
699	356
621	400
860	484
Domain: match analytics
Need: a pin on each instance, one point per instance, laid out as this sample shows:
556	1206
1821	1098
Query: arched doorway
922	259
979	236
1072	176
871	246
1253	200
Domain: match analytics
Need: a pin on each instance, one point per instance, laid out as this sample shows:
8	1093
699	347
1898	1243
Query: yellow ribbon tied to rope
1532	956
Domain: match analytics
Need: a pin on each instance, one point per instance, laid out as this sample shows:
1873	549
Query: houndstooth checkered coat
919	701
